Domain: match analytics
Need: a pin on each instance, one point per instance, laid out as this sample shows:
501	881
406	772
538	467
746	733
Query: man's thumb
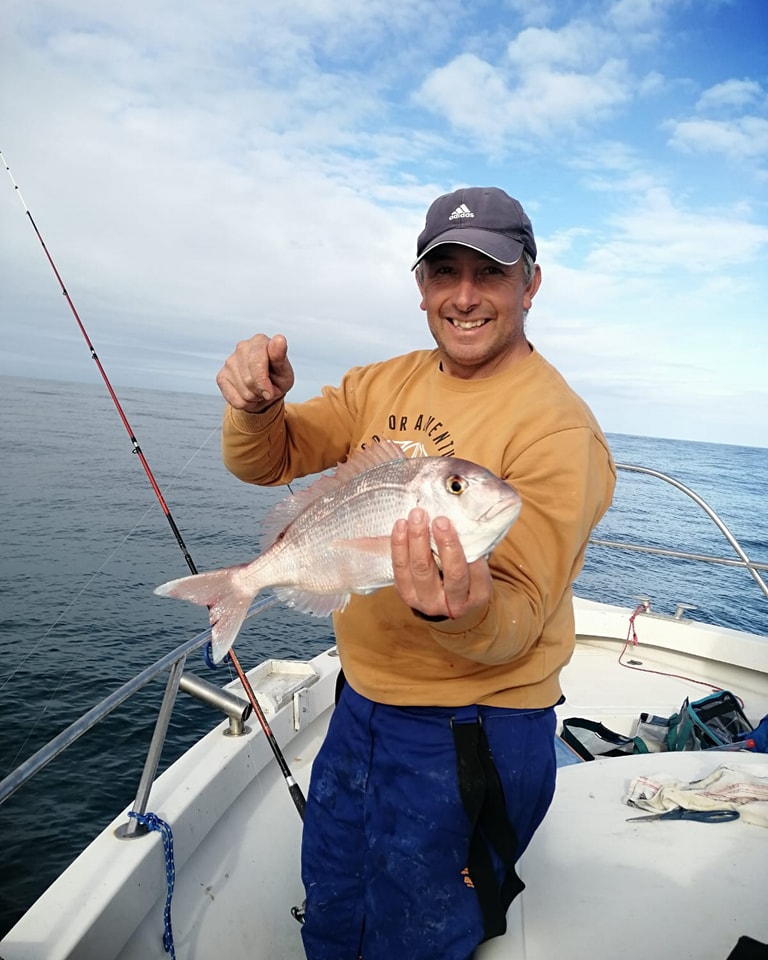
277	350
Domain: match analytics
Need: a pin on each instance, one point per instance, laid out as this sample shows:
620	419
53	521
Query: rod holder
237	709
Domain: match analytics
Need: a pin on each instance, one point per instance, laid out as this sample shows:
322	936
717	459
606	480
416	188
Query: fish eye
456	484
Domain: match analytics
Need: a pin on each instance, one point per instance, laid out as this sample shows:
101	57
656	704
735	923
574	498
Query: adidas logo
460	212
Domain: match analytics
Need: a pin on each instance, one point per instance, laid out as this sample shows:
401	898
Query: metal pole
133	828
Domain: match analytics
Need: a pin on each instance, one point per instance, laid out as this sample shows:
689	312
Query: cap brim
499	248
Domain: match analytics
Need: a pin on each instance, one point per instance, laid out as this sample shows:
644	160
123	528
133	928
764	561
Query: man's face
476	309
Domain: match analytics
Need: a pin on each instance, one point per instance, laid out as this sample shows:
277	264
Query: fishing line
293	787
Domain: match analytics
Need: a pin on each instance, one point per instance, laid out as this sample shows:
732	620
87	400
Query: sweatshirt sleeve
291	440
566	483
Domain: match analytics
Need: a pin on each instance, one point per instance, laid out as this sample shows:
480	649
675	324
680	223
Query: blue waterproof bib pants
386	835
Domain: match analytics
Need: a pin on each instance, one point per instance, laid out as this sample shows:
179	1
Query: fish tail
226	596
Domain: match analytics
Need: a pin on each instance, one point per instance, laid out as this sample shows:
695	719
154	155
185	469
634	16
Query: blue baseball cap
484	218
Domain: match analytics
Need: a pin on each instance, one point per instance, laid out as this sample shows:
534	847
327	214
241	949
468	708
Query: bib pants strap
483	798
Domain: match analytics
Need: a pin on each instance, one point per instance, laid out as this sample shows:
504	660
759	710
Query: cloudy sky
203	171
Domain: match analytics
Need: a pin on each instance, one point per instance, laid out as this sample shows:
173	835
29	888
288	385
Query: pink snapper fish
334	538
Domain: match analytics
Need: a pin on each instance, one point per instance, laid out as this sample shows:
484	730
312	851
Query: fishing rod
293	788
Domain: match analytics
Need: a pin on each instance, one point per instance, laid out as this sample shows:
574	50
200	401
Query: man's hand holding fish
453	588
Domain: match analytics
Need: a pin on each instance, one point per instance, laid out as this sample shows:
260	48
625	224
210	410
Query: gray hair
529	267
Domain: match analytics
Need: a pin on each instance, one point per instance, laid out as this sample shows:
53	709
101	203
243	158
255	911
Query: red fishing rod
293	788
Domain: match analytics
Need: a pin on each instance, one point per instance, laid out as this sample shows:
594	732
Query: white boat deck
597	686
601	888
598	888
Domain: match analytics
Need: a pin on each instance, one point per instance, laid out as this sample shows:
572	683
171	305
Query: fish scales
341	547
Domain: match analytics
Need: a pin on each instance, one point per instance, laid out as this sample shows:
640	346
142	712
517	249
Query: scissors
703	816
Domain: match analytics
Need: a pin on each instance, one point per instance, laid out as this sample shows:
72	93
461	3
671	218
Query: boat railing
236	709
174	662
751	566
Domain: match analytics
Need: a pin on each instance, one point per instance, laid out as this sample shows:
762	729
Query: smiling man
477	282
439	761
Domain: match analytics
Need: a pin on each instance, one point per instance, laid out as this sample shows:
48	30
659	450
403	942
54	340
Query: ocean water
84	543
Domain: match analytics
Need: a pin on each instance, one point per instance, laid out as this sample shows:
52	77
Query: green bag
713	721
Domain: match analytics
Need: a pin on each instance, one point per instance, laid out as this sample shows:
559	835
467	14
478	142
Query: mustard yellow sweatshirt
527	426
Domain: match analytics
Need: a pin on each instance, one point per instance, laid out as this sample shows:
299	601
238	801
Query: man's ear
419	283
533	286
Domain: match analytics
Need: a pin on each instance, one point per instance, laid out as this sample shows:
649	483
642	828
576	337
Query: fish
334	539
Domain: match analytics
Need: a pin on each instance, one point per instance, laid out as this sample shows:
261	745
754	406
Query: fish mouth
496	521
511	504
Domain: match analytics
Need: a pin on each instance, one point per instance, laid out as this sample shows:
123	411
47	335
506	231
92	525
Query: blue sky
202	172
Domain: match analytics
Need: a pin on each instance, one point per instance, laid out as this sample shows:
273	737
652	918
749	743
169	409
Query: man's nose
466	295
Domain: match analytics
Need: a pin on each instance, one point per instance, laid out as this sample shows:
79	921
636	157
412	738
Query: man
439	762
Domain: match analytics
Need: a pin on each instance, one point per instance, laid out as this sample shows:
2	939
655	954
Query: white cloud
723	125
552	82
533	14
745	138
471	93
656	235
652	84
732	94
613	168
577	44
494	103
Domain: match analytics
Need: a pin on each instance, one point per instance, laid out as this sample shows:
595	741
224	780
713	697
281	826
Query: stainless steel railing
751	566
173	661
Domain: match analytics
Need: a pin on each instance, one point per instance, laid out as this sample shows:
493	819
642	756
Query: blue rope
152	822
208	656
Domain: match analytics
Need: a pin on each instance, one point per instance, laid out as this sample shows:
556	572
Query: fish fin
326	485
316	604
225	597
361	460
366	591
